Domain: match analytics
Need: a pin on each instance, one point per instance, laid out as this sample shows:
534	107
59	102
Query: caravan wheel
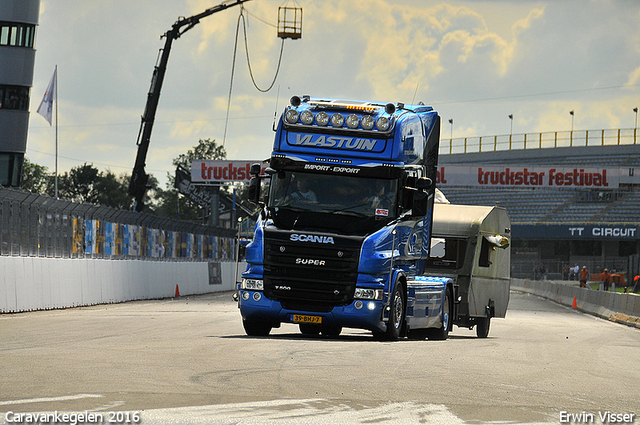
482	328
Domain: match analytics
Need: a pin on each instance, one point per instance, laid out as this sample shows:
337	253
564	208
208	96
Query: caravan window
447	253
485	253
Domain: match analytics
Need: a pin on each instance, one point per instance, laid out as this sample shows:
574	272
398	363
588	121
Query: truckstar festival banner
217	171
529	177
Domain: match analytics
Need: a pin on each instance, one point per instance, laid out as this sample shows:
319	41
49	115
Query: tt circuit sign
217	171
551	231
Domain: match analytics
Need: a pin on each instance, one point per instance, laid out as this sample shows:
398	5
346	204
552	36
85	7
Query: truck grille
310	275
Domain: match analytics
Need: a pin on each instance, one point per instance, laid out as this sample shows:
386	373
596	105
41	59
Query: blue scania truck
344	236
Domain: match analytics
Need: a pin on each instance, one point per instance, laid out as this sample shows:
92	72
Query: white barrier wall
608	305
32	283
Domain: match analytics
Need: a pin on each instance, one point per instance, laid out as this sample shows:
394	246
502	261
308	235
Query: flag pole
56	102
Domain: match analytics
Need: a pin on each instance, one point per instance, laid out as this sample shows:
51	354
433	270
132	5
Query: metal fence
41	226
629	267
552	139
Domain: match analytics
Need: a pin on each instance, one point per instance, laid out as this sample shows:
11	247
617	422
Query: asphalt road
188	361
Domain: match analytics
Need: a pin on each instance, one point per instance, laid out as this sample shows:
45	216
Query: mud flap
490	309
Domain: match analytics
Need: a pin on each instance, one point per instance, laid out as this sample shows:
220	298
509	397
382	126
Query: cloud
634	77
474	61
397	48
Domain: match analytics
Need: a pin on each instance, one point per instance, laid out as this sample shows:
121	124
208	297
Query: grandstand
558	225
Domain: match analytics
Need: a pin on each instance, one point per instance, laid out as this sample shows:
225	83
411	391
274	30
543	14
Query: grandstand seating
624	210
549	205
552	205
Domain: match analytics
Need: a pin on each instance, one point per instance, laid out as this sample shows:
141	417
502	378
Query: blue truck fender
431	304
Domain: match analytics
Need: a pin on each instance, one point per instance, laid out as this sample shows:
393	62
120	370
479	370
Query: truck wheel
396	314
442	333
482	328
418	334
331	331
307	329
256	328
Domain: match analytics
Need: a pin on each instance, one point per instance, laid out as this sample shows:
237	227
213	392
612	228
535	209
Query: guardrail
551	139
614	306
33	225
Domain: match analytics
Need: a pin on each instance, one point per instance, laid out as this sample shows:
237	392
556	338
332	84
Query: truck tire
307	329
442	333
482	328
396	314
255	327
331	331
418	334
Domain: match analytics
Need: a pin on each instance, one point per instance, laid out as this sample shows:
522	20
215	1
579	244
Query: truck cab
343	238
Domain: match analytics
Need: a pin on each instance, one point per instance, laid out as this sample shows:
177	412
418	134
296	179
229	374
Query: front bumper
360	314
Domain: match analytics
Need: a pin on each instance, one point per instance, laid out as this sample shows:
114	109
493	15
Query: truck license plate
301	318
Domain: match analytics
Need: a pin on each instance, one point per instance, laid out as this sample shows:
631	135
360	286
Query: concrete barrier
33	283
614	306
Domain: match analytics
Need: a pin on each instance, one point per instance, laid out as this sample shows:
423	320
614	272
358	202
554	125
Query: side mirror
424	183
255	169
416	195
420	204
254	184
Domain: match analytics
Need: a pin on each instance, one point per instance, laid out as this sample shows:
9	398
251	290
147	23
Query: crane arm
139	177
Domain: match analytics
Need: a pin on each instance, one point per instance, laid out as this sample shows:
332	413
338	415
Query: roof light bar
340	114
350	106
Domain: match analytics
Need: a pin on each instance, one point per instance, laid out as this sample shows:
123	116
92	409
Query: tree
35	178
171	203
206	149
111	190
86	183
77	185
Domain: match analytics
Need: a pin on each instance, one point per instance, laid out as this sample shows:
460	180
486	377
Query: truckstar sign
537	176
216	171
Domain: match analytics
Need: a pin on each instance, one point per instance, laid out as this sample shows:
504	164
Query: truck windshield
334	194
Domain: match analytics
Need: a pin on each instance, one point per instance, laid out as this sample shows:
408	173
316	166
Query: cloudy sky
474	61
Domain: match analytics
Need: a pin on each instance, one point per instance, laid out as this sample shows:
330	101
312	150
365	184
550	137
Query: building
573	205
18	21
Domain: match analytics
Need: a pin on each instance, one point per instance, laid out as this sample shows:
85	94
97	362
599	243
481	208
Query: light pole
511	132
451	140
572	116
571	137
635	128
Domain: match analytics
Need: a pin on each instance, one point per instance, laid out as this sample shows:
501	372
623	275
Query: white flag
46	106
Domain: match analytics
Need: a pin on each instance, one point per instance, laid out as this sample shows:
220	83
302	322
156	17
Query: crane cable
233	67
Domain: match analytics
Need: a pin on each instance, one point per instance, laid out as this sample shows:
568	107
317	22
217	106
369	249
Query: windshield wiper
349	213
345	211
351	207
291	208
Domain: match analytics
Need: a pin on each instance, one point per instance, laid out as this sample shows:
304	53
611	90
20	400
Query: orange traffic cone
574	305
178	291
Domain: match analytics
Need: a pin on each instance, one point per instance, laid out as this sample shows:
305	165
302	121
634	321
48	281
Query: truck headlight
368	294
353	121
383	123
291	116
367	122
306	117
337	120
322	118
253	284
